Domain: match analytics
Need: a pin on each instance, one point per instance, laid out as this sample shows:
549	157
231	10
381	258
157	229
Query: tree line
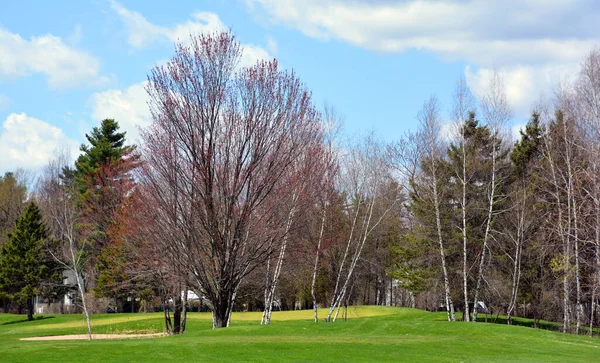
242	193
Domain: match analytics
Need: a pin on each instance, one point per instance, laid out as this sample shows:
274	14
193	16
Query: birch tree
588	97
57	197
463	106
496	113
363	176
429	191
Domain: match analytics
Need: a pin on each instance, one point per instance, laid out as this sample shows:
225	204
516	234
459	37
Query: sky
66	65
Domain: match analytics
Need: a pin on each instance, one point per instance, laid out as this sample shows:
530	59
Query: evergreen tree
23	266
102	175
522	224
107	148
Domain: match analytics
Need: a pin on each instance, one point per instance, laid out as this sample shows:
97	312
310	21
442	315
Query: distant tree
23	265
13	194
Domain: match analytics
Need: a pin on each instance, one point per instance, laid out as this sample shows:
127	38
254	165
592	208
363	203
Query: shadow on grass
541	324
25	320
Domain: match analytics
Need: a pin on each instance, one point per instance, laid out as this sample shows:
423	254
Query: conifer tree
23	266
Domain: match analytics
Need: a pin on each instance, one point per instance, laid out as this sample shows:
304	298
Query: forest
244	195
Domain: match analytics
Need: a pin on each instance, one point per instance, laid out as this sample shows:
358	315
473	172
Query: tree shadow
25	320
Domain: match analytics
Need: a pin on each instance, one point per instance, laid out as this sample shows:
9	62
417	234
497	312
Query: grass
377	334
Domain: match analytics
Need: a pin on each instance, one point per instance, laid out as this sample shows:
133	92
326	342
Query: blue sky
65	65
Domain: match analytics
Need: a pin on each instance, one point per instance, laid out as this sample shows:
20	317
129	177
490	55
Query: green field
374	334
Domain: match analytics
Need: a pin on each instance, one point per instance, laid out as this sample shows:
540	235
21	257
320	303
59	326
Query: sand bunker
95	336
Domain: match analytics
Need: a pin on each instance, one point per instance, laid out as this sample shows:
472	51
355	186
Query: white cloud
65	66
524	84
526	41
128	107
4	102
142	32
251	54
27	142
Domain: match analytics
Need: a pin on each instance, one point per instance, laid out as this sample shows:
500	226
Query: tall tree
23	264
463	109
102	175
56	195
522	222
496	113
217	159
429	192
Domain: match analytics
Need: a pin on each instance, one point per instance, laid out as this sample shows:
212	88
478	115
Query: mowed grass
371	334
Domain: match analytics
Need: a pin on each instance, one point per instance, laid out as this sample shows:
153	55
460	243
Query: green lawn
373	334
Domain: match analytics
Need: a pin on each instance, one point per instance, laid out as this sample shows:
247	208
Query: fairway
370	334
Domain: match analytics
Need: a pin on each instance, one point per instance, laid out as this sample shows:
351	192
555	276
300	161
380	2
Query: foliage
24	266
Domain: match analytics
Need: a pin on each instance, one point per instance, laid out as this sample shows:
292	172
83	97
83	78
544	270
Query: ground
375	334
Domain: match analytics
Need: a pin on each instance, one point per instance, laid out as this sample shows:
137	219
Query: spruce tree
23	266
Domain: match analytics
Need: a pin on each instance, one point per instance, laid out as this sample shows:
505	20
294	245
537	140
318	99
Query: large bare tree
217	160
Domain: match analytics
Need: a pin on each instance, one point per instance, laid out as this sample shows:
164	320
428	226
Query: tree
364	174
23	264
13	197
430	192
103	177
216	162
107	147
463	110
521	223
57	196
13	194
496	112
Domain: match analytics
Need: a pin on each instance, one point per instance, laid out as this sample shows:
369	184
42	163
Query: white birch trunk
517	259
315	269
448	298
364	234
339	276
464	225
271	290
488	224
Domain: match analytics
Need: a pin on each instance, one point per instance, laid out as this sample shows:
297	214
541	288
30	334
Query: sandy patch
95	336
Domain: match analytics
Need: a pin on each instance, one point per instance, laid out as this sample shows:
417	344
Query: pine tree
23	266
107	146
102	175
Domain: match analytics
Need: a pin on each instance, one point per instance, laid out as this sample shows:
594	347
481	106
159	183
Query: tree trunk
341	269
449	304
486	236
466	314
270	293
339	299
517	258
177	312
30	309
315	269
185	302
167	316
